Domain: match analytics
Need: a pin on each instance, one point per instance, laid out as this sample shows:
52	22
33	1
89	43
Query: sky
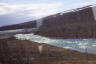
18	11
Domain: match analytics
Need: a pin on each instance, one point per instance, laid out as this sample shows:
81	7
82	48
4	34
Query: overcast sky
18	11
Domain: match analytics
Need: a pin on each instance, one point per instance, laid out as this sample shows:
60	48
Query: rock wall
78	23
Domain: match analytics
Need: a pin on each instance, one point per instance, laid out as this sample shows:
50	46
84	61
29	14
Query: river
81	45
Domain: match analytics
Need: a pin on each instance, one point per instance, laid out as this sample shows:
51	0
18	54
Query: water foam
82	45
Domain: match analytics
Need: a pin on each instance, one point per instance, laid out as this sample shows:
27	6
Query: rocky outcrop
13	51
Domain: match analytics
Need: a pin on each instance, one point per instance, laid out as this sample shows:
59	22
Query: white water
82	45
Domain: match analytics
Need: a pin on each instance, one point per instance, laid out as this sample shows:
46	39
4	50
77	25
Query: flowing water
82	45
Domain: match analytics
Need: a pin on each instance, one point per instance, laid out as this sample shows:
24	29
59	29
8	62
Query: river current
81	45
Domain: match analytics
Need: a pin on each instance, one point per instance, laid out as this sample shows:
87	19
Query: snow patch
94	11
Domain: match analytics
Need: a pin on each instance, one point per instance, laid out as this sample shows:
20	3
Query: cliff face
78	23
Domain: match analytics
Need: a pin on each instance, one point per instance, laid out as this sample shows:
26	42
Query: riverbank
13	51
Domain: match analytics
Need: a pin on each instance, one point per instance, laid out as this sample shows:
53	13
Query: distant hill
30	24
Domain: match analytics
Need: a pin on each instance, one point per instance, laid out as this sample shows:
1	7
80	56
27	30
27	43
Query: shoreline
24	51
